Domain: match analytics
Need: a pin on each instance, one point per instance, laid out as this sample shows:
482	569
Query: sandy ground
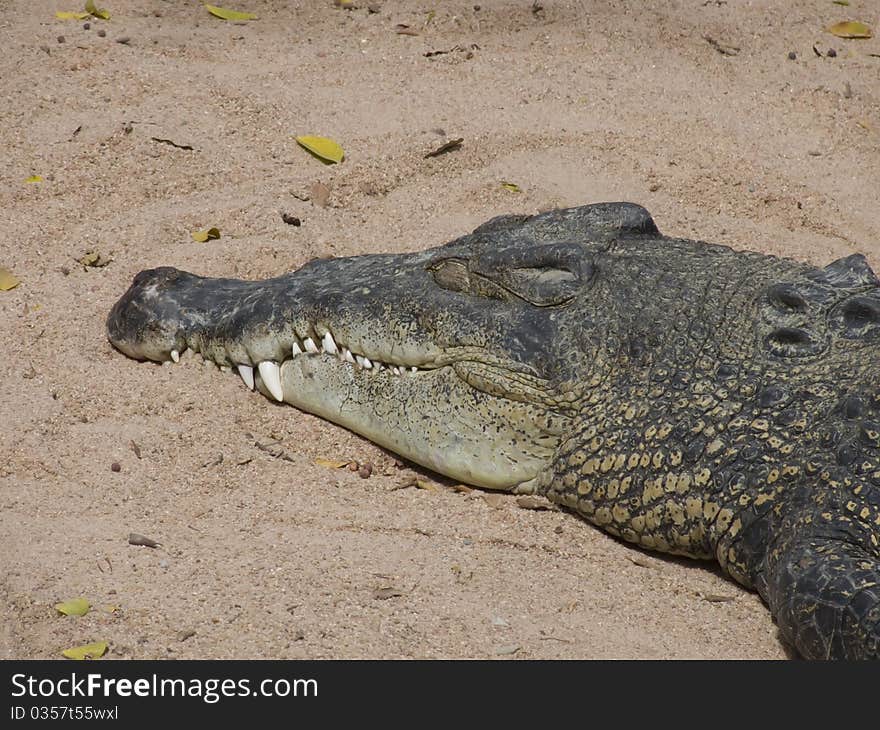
275	556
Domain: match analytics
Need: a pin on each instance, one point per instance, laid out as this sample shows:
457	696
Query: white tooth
378	366
413	369
247	375
295	350
329	344
175	355
359	360
367	363
347	356
310	346
394	369
271	375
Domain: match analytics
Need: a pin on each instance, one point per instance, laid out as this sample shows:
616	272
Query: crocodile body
682	396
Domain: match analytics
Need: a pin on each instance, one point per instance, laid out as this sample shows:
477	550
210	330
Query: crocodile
683	396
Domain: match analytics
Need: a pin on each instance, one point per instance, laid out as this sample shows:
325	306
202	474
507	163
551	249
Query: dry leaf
87	651
323	148
73	607
850	29
536	503
331	463
136	539
7	280
97	12
495	501
94	260
34	179
206	235
170	141
512	187
68	15
448	147
319	194
402	29
383	594
226	14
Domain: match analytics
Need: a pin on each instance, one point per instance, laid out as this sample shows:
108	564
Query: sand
693	109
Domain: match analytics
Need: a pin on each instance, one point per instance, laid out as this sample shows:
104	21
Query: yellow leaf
97	12
226	14
67	15
87	651
73	607
7	280
33	179
850	29
324	149
330	463
512	187
202	236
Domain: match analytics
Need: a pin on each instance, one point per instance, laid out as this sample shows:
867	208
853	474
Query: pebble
792	56
365	471
102	33
831	53
163	563
61	39
86	26
115	466
507	649
498	621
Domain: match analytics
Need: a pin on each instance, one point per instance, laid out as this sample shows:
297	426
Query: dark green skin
698	400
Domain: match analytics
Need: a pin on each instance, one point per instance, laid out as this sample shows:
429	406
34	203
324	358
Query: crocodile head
463	358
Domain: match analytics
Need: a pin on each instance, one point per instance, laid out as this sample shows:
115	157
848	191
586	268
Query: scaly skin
682	396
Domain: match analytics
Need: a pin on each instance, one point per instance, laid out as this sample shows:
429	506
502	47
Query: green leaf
97	12
33	179
227	14
202	236
73	607
512	187
7	280
87	651
323	148
850	29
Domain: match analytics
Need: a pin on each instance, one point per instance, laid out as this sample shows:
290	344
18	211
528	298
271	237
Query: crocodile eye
451	274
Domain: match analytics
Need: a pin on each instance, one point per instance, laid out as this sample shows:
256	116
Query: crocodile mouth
268	373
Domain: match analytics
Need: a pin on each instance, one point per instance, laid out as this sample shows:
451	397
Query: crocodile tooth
175	355
330	344
347	356
367	363
310	346
413	369
271	375
247	375
295	349
394	369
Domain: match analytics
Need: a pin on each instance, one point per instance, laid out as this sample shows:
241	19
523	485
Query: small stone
831	53
498	621
507	649
125	40
792	56
115	466
558	529
102	33
163	563
365	471
61	39
86	26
